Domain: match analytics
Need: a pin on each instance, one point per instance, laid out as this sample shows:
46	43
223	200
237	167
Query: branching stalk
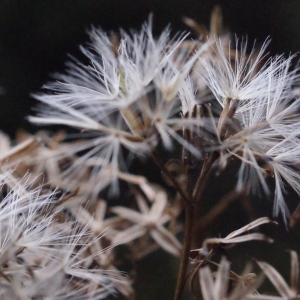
181	280
170	176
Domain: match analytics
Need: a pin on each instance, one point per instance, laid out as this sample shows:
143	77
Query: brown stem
223	116
203	178
189	221
181	280
170	176
188	226
190	198
198	195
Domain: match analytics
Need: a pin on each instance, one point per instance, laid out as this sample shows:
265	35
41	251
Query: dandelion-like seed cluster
143	93
142	98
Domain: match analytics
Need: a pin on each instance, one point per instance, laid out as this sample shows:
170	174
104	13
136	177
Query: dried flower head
238	236
125	98
217	286
43	257
284	290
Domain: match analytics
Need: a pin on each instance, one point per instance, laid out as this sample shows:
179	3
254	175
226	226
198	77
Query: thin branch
170	176
181	280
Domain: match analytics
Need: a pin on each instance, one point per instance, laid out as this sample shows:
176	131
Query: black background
36	37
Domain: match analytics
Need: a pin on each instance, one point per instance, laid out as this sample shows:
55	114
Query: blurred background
36	37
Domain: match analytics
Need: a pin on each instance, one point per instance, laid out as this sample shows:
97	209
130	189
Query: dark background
36	37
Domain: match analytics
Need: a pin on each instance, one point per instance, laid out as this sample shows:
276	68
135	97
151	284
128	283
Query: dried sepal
149	220
226	285
284	290
238	236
